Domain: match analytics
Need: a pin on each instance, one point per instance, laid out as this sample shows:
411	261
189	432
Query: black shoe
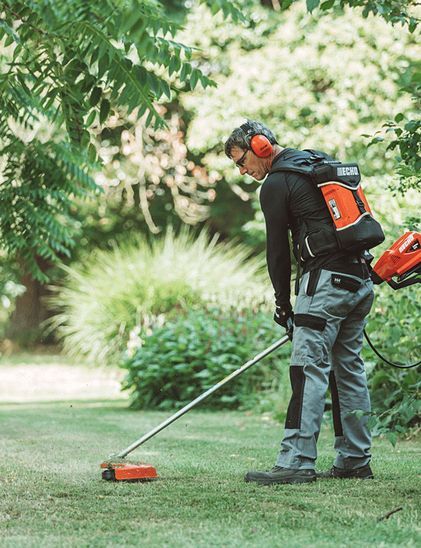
364	472
281	475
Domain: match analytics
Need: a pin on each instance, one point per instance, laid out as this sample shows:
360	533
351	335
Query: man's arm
274	204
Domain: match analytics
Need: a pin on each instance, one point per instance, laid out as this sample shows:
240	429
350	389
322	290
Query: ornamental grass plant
113	298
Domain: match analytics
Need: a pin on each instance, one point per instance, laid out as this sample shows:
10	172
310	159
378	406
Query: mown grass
51	493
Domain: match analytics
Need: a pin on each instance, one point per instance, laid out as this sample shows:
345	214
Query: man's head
240	144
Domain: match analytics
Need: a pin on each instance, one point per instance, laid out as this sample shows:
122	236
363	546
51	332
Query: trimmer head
123	471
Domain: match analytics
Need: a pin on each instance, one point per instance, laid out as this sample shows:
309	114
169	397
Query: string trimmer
402	261
116	470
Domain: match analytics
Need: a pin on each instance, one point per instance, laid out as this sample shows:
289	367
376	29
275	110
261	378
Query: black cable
400	366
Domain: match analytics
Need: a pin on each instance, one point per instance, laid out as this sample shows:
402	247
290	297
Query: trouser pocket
345	282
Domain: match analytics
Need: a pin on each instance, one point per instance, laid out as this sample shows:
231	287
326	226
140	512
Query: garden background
131	250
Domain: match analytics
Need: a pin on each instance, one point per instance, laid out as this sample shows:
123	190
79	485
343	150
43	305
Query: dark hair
241	136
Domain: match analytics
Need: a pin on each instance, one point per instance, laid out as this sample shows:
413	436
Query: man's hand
284	316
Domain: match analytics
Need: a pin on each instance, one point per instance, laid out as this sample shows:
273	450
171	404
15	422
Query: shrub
396	402
138	286
178	362
393	326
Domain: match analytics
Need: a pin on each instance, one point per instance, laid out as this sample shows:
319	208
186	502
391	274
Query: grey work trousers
327	341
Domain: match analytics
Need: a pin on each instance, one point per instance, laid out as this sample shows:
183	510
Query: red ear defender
261	146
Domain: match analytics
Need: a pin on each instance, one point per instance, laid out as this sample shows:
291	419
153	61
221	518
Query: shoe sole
346	477
281	481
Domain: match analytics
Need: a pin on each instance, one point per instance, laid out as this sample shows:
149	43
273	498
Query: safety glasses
240	161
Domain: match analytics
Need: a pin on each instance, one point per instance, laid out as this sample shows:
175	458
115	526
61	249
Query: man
335	295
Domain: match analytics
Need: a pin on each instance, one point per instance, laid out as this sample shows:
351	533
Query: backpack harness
354	227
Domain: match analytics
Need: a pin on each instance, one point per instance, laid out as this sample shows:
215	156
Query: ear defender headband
259	144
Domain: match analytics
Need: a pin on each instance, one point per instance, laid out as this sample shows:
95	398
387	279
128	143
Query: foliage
393	327
408	142
287	66
81	58
187	356
69	64
333	110
396	402
393	11
407	139
155	177
117	295
151	171
400	312
406	134
40	183
75	65
195	196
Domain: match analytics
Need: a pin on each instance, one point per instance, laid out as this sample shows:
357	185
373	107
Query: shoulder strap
300	161
319	167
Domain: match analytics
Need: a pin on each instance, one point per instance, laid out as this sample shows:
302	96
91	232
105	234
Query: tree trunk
30	310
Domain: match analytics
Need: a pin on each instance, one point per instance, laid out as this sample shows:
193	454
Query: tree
288	64
407	131
66	65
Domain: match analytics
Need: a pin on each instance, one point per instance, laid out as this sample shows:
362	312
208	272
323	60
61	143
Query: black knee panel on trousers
311	321
295	407
336	410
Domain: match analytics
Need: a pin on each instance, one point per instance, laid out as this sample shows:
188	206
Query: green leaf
327	5
103	65
85	139
91	118
9	40
94	55
104	110
194	78
149	118
92	153
12	34
392	437
411	125
174	65
154	84
413	23
185	71
375	141
166	89
95	96
399	117
50	97
312	4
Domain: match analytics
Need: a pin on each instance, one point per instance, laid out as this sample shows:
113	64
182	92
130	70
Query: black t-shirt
289	201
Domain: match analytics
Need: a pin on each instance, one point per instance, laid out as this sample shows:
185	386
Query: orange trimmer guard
128	472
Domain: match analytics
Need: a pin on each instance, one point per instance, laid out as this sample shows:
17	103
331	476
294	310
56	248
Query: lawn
51	493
